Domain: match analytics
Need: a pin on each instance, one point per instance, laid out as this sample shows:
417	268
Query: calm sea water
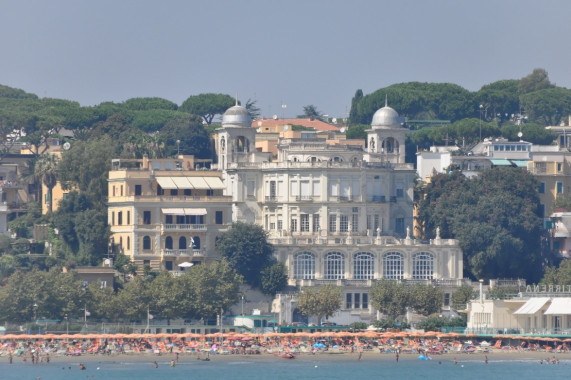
303	367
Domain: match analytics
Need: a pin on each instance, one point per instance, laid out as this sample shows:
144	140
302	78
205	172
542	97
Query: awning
520	163
559	306
166	183
198	183
500	162
215	183
173	211
181	182
532	306
194	211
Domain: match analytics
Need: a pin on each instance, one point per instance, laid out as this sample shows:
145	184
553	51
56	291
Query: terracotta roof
318	125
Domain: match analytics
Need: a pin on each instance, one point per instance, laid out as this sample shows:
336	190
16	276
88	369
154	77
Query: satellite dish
334	120
286	128
66	146
519	134
342	130
275	117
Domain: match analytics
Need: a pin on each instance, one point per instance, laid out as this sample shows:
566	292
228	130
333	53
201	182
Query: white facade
335	214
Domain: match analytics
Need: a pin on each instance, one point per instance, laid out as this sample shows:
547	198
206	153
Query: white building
335	214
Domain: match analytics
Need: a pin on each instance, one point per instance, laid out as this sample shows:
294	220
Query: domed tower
236	138
386	138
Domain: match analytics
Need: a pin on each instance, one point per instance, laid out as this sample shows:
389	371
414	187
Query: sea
303	367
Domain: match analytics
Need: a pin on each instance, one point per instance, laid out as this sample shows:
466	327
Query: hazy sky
276	52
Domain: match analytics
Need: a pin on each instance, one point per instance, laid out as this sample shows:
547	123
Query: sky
283	54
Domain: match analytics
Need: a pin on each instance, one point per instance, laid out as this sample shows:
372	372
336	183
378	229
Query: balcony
378	199
184	253
271	198
304	198
183	227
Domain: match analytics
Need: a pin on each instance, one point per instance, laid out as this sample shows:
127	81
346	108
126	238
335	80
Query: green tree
390	298
144	104
425	299
495	218
186	136
537	80
207	105
548	106
462	295
273	278
323	301
253	110
311	112
247	250
558	275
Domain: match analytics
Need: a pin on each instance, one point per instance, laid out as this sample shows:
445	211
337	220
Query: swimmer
485	359
156	364
172	363
455	361
81	367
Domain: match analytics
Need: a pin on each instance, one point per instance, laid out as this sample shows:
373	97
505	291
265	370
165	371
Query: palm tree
45	171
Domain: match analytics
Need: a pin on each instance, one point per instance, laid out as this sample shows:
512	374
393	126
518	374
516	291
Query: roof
532	306
208	183
500	162
316	124
559	306
520	163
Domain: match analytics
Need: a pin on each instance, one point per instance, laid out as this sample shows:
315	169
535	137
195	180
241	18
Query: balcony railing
184	227
184	252
304	198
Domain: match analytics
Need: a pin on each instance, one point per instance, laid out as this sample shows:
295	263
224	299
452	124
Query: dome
386	117
236	116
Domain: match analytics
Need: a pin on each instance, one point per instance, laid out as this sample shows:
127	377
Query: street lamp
242	305
177	148
35	306
481	109
66	323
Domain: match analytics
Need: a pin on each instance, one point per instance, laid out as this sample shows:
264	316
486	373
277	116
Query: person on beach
397	356
485	359
10	357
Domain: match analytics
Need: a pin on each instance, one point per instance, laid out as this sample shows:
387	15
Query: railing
184	227
184	252
304	198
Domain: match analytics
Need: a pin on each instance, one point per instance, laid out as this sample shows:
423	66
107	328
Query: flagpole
148	322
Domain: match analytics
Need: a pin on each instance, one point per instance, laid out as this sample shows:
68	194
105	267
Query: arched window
168	243
422	266
195	242
393	266
363	266
128	243
147	242
334	266
182	243
304	266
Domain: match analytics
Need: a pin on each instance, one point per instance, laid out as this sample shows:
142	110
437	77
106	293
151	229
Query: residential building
166	214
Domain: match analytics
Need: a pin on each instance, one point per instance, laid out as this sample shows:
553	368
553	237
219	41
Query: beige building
166	214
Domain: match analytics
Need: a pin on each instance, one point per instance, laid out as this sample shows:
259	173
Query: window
160	190
128	217
293	225
304	266
168	243
355	223
542	210
146	217
128	242
168	265
343	223
138	190
182	243
446	299
120	218
365	303
187	192
146	242
332	223
363	266
357	301
399	225
422	266
113	218
304	222
195	242
559	166
219	217
209	192
542	188
168	219
316	225
400	193
393	266
334	266
174	192
349	299
559	187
